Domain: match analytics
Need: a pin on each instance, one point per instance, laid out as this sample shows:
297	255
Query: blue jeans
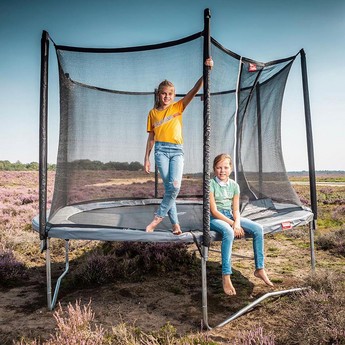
251	229
170	160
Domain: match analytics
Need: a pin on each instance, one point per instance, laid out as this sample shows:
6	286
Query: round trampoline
125	220
105	96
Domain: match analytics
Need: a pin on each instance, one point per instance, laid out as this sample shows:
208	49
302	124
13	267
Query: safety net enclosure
101	191
105	96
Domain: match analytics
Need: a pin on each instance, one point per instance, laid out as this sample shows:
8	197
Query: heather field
132	293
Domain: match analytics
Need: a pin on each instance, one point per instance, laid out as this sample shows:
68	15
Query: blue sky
263	30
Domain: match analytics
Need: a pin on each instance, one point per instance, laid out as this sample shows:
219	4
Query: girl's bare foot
227	285
153	224
176	230
261	273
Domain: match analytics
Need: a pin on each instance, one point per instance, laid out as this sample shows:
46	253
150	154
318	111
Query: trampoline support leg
204	287
49	275
311	239
256	302
52	302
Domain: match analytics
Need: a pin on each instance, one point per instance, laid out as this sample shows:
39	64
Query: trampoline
101	191
123	220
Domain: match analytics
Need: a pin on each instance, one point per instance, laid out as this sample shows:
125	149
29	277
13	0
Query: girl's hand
147	166
209	62
238	231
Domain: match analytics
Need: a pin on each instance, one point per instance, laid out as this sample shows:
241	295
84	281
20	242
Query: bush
333	241
11	270
130	260
317	315
254	337
75	326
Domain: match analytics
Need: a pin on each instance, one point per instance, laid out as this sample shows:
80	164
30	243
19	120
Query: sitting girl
225	219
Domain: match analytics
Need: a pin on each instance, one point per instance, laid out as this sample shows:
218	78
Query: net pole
206	142
156	166
43	139
312	179
259	121
236	158
310	146
206	163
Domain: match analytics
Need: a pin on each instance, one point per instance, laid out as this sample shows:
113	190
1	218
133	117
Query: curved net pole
259	131
206	166
43	139
310	146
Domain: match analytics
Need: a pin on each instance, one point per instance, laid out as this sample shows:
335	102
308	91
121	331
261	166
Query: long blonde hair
164	83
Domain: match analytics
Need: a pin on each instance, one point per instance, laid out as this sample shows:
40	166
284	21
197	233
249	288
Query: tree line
18	166
82	164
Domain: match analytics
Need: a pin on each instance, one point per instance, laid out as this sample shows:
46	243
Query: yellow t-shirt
167	124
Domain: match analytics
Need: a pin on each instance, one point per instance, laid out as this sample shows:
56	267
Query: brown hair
164	83
220	158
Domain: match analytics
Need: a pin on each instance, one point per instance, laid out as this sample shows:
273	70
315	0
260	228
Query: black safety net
105	97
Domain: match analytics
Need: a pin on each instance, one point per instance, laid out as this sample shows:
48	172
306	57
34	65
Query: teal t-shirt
224	193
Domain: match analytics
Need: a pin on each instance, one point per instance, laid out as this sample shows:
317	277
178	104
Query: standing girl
225	219
164	126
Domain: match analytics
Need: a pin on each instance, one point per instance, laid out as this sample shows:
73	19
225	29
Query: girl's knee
175	188
258	231
177	184
228	233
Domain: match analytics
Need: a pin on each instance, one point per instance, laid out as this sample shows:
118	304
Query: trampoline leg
256	302
52	302
49	275
204	259
311	237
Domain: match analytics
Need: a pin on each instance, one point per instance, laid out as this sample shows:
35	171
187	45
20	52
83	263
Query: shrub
11	270
131	261
338	213
157	257
75	326
333	241
255	336
317	315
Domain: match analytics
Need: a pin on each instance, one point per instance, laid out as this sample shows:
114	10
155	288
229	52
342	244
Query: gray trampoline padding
126	220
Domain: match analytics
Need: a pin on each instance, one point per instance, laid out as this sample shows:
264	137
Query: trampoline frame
43	165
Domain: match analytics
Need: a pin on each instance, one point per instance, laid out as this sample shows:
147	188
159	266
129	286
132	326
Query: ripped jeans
170	160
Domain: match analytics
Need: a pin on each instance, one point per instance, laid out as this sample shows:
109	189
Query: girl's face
166	96
223	170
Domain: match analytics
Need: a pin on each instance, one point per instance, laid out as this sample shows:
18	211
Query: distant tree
86	164
18	166
135	166
80	164
32	166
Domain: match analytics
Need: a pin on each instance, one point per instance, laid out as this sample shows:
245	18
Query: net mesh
105	97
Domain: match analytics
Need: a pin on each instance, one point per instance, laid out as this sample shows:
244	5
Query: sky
263	30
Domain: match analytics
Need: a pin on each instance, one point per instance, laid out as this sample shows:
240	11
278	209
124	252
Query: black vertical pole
156	166
206	156
312	180
206	168
43	138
